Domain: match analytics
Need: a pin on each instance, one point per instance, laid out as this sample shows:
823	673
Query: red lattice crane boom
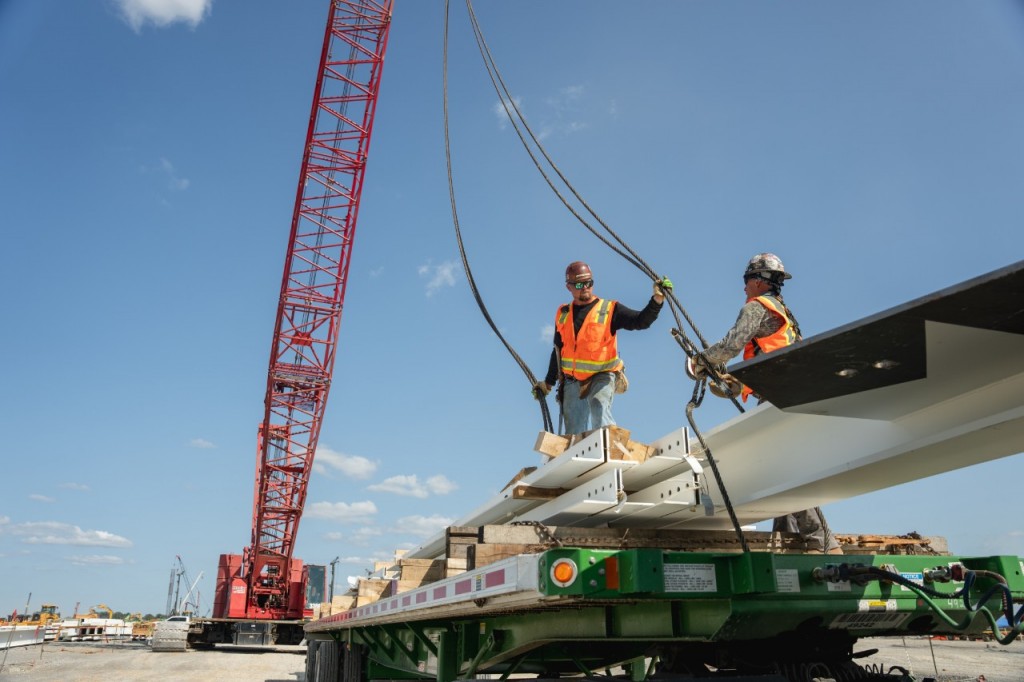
266	582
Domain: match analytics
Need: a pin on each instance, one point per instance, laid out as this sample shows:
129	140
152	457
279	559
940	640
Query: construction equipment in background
260	594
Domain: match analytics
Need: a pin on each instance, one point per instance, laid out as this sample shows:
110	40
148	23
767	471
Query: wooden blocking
385	569
400	586
911	543
457	538
482	555
525	471
550	444
342	602
423	570
370	590
621	447
531	492
455	566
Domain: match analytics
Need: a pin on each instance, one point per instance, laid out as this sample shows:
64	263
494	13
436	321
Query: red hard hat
578	271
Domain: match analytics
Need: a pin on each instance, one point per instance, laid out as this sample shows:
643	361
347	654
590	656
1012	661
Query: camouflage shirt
754	321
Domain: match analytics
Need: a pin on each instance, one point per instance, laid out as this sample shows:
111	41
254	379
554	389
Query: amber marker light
564	572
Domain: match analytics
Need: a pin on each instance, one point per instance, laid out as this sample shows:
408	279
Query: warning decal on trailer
690	578
871	614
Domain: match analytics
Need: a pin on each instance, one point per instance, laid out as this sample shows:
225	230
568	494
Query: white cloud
40	498
201	443
359	537
439	485
367	532
547	334
410	486
97	560
443	275
161	13
501	112
55	533
342	512
74	486
352	466
561	116
173	181
422	525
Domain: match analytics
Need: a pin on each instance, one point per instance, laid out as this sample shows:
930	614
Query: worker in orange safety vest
586	352
766	324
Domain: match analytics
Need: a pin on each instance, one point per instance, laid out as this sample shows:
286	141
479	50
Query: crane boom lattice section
314	281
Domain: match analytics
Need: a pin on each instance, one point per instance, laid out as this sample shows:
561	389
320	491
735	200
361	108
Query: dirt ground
90	662
947	661
954	661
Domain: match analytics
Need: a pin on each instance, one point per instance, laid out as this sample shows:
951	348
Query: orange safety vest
595	349
785	336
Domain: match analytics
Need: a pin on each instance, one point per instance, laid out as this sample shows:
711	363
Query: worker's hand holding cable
540	390
695	368
660	287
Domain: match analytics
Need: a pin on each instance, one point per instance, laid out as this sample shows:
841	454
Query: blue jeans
591	412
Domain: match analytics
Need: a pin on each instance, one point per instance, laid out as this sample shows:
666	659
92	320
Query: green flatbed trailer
756	616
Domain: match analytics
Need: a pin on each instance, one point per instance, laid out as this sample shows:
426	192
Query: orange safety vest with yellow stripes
785	336
595	349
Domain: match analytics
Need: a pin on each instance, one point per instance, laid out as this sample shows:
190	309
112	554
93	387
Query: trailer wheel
352	663
328	662
311	651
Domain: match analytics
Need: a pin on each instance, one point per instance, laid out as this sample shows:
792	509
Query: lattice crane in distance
266	583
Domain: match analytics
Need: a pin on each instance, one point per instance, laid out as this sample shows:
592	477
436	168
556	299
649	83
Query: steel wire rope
509	105
545	413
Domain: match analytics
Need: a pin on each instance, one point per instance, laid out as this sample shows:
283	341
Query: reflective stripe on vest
594	349
785	336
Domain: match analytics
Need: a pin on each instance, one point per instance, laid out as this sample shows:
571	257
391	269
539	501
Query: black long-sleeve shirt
622	318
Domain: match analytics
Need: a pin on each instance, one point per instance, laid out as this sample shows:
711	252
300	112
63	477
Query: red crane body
266	582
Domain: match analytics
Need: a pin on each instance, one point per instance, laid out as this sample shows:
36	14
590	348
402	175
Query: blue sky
149	154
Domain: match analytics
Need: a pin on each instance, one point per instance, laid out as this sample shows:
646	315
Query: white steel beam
576	506
968	410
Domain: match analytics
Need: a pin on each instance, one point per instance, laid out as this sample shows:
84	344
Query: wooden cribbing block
525	471
621	447
424	570
551	444
482	555
532	492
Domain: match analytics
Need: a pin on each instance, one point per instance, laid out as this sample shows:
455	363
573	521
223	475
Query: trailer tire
352	664
328	662
311	651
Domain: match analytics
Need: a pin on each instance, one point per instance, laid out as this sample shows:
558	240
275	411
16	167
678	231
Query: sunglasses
582	285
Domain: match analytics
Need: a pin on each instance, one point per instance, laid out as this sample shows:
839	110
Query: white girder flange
574	507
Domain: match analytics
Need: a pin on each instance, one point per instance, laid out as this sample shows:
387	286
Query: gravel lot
955	661
91	662
88	662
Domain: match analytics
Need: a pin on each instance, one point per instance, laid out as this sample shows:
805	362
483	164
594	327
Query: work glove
661	286
695	370
729	387
540	390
